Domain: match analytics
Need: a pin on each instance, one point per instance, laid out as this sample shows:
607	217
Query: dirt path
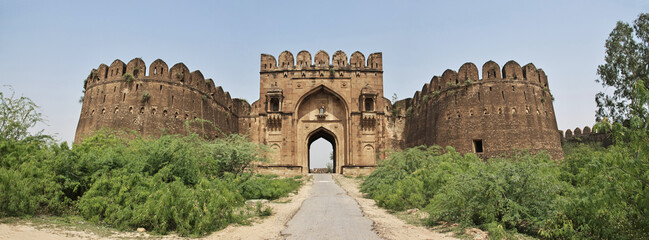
386	225
329	213
270	227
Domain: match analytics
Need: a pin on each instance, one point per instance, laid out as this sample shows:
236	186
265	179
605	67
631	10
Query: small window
369	104
477	146
274	104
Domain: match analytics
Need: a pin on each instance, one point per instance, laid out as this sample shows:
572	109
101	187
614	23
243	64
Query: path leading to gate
329	213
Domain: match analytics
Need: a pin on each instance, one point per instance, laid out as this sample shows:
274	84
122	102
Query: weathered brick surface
337	98
514	112
158	103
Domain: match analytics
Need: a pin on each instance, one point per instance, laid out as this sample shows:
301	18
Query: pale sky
47	48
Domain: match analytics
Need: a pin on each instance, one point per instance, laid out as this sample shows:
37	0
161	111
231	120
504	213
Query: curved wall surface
504	110
122	96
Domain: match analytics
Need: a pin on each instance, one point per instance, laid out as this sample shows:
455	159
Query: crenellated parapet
321	61
468	74
586	135
125	96
509	107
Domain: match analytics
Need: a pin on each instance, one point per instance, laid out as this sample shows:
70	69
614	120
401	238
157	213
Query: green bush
268	187
173	183
519	193
409	179
594	193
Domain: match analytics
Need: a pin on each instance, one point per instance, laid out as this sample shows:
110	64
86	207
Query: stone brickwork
586	136
489	116
303	98
123	96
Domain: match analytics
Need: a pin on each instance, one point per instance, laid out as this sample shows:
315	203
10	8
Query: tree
627	71
17	116
627	171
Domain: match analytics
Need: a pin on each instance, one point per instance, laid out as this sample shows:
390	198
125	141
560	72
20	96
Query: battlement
585	135
165	101
179	74
489	115
491	72
339	61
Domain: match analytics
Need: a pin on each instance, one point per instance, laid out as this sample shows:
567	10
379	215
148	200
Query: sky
48	47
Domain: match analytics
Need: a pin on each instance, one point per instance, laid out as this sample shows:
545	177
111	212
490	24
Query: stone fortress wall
123	96
337	98
585	136
490	116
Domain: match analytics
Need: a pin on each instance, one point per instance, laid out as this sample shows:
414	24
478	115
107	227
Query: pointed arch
329	136
316	90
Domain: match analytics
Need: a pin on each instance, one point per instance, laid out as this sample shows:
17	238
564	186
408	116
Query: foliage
627	71
128	77
594	193
268	187
17	116
180	75
146	96
173	183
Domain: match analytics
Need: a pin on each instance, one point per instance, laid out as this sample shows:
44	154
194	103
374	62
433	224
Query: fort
339	99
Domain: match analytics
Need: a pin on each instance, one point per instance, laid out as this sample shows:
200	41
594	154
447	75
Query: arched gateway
341	102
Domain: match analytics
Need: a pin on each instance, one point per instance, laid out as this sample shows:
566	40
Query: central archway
322	113
329	137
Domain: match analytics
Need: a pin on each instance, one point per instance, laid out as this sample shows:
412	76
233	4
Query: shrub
146	96
594	193
268	187
128	77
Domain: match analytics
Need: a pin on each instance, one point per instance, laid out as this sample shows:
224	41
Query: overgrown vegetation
589	195
146	96
183	184
593	193
128	77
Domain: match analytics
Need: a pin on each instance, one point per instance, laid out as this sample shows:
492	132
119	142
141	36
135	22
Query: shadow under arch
326	134
317	89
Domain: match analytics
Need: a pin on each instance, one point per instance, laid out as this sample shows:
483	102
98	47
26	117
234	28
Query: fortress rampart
585	136
123	96
338	98
490	116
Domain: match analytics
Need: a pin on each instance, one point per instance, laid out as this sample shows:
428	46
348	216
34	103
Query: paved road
329	213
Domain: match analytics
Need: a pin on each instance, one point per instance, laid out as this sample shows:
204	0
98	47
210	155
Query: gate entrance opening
318	158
